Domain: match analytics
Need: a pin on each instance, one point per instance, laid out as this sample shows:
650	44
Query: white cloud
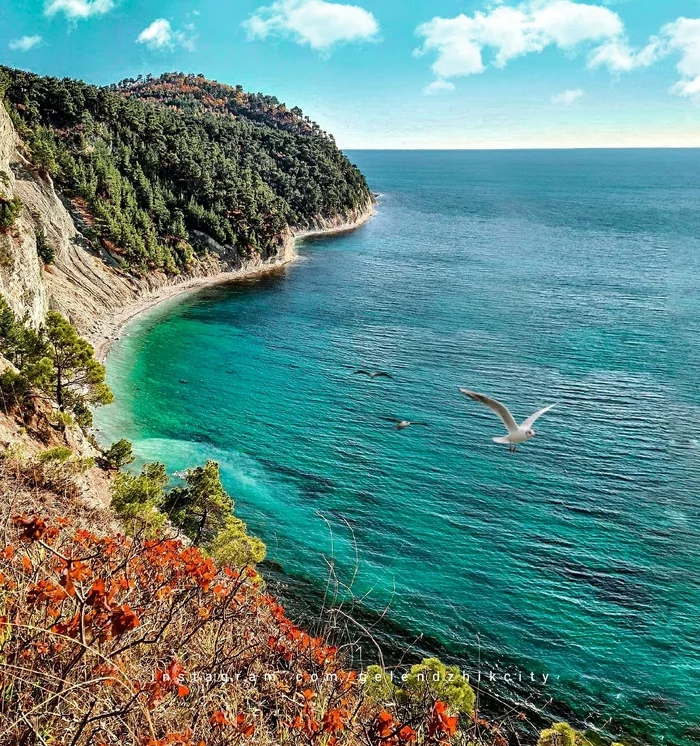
683	35
566	98
25	43
619	57
76	9
318	23
160	35
438	86
513	31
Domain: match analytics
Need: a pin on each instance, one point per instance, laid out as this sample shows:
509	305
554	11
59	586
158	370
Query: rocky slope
21	274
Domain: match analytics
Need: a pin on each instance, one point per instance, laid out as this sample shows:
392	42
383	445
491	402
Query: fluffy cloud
318	23
566	98
619	57
25	43
683	35
438	86
160	35
76	9
513	31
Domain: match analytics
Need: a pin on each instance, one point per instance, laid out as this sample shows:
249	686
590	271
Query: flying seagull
516	433
373	373
402	424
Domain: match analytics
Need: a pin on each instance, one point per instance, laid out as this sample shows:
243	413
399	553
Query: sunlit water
535	277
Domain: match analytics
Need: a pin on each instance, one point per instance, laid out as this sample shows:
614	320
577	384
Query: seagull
403	424
373	374
516	433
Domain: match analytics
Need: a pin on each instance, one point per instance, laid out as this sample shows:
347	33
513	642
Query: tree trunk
59	389
200	528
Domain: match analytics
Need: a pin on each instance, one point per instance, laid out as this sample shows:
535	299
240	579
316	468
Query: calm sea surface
531	276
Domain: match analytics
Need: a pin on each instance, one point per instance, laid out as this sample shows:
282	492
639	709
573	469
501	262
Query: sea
563	578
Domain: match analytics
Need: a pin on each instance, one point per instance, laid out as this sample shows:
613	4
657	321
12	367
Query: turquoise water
534	277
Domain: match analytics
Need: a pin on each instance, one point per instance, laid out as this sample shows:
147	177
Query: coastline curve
108	327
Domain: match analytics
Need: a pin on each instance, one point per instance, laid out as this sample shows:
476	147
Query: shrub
562	734
46	252
10	210
139	498
95	640
61	420
57	454
434	679
426	683
379	687
234	546
14	389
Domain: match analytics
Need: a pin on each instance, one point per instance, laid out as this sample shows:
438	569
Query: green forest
149	162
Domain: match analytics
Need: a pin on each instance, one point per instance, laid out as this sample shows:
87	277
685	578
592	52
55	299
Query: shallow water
534	277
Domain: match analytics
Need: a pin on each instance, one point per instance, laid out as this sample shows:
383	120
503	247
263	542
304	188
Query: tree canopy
150	162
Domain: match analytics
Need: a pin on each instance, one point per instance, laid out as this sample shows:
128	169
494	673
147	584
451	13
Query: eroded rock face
20	268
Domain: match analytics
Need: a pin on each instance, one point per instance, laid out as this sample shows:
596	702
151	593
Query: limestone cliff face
20	268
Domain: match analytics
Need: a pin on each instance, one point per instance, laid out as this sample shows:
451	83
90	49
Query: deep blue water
531	276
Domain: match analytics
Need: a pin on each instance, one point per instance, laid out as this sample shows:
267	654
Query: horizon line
525	149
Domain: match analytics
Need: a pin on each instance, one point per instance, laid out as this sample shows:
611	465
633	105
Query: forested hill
195	94
149	162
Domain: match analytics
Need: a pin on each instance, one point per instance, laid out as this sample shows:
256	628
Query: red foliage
440	724
145	636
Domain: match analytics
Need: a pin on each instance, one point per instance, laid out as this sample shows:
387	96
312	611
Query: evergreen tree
69	372
201	508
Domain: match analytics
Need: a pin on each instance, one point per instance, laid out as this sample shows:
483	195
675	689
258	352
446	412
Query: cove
533	277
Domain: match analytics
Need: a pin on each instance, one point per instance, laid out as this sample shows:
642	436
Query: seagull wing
425	424
500	409
362	372
390	419
530	421
382	374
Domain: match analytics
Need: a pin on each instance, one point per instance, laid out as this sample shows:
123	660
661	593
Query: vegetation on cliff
143	640
200	508
10	210
149	163
56	364
107	640
52	360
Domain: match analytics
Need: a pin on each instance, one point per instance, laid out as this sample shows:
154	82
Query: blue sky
411	74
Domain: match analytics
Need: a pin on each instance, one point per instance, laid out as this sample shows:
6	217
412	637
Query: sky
402	73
